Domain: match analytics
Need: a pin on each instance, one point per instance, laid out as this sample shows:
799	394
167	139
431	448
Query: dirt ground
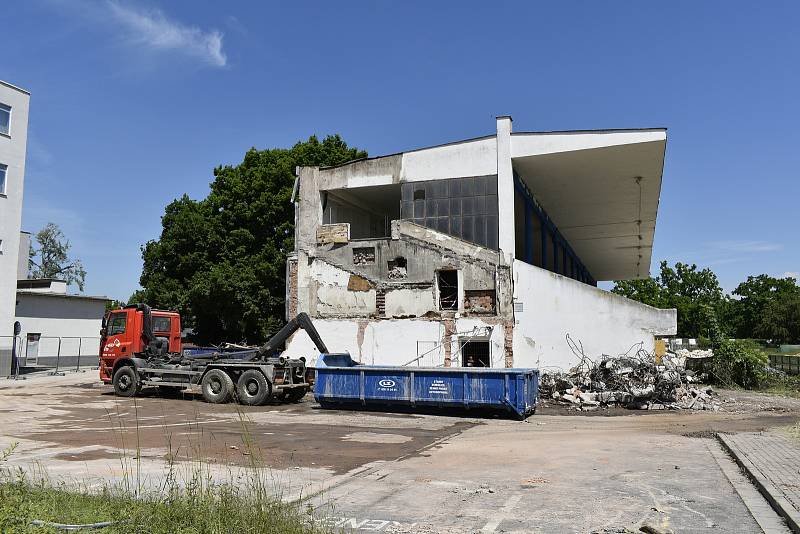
368	471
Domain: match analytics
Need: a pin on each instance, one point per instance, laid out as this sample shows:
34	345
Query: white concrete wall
333	297
12	154
468	158
55	316
392	342
24	255
554	306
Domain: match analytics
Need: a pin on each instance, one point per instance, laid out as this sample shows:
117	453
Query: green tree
695	293
51	259
753	297
220	261
780	320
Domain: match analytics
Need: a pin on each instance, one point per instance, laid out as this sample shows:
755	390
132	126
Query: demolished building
483	252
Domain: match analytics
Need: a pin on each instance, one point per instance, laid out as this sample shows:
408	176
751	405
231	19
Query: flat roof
60	295
601	188
12	86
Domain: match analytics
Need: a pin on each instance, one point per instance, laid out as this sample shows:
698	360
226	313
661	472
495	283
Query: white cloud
792	274
747	246
153	29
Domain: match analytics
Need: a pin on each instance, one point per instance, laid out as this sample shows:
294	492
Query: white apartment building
13	144
56	326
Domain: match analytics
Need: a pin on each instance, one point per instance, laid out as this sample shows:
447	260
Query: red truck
141	347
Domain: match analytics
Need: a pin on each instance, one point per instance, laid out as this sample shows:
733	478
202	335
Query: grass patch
221	509
185	499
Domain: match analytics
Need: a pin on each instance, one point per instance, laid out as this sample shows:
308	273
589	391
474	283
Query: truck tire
217	386
253	388
126	382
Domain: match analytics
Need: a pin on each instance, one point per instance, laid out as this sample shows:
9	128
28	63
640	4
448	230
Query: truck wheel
253	388
126	382
296	394
217	386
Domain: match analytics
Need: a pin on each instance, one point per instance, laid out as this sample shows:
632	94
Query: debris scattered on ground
635	380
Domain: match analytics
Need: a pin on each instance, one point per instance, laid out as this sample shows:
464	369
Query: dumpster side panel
389	386
438	388
337	384
513	390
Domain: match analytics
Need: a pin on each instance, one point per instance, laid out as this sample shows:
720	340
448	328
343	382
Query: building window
475	353
3	174
448	289
1	247
5	119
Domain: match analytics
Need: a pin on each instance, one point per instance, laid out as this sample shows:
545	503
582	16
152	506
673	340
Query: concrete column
308	210
505	190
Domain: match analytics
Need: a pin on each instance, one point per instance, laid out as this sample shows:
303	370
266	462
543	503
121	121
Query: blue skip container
341	381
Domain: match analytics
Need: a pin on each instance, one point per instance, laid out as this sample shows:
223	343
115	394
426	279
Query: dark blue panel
406	210
430	207
419	209
455	206
442	207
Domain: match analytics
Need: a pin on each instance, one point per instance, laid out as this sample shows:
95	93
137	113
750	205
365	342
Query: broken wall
549	306
399	341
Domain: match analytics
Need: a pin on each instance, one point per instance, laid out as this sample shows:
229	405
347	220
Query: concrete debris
636	382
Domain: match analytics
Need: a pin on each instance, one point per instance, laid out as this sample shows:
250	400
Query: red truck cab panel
122	336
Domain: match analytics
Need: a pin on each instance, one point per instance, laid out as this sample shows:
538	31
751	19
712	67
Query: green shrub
739	362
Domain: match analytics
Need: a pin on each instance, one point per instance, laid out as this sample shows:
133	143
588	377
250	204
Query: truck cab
123	336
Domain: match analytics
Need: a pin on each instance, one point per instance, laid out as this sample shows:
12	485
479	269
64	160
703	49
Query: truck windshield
116	324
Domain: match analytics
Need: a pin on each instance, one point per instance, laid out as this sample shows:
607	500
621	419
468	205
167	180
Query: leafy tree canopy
220	261
752	298
761	307
694	292
51	259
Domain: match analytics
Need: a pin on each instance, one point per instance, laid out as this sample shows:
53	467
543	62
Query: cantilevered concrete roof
601	189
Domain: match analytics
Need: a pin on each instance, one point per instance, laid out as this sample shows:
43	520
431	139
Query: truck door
117	344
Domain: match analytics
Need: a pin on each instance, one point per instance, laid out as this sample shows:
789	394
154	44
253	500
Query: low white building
484	252
57	328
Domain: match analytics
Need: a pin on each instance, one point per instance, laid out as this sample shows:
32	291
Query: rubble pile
635	381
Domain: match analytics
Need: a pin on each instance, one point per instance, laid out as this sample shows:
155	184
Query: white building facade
57	328
484	252
13	145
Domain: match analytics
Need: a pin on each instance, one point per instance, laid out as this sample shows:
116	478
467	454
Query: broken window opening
448	289
479	300
363	255
397	268
419	194
368	210
475	353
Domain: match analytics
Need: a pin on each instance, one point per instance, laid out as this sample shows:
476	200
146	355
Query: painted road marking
495	521
369	525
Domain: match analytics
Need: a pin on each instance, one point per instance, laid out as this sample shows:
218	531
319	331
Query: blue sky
135	102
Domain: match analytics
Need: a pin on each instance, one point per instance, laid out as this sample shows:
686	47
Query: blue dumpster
341	381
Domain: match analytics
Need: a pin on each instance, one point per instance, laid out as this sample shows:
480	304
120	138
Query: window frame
6	107
111	323
168	319
4	179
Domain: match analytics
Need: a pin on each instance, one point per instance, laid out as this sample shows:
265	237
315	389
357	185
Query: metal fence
60	353
788	364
